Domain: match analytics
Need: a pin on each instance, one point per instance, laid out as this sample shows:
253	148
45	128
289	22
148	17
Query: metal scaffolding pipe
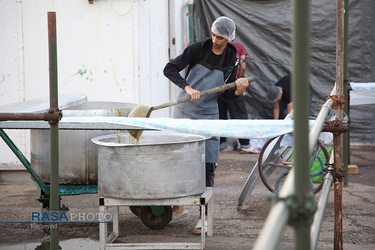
21	116
54	128
319	122
300	92
322	204
303	200
279	214
346	136
338	137
51	116
338	238
281	210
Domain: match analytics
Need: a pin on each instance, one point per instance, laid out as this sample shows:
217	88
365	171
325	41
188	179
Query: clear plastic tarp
250	129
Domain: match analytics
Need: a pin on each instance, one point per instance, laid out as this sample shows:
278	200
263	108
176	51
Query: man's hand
242	84
194	94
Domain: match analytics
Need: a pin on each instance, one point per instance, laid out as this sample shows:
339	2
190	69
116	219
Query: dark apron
202	77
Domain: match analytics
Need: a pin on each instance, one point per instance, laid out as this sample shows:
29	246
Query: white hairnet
224	27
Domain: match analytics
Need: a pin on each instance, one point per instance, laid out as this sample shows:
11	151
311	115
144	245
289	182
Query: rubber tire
156	222
136	210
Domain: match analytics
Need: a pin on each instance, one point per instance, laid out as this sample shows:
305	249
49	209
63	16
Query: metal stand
253	178
106	241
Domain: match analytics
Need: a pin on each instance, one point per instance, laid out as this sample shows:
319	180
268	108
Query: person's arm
194	94
242	66
172	71
173	68
289	106
188	57
276	110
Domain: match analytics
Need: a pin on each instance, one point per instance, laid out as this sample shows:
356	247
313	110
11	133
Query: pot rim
191	138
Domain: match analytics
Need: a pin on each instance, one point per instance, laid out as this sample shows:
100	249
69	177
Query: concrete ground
233	229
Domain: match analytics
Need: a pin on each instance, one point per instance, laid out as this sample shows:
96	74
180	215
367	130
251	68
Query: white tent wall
111	50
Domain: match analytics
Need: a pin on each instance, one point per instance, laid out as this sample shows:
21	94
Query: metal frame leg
103	229
203	218
249	186
115	233
104	238
210	230
270	152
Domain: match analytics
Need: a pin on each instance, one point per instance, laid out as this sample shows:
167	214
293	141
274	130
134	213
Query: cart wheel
156	217
269	165
274	164
323	170
136	210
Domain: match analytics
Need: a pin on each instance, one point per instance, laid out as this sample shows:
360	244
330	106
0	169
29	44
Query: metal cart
275	161
68	103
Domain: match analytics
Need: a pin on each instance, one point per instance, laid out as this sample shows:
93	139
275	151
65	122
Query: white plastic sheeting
247	129
362	93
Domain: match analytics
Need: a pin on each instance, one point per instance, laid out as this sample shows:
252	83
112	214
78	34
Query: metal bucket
77	154
163	165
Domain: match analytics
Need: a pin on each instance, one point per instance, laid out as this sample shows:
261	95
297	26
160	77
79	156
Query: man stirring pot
211	63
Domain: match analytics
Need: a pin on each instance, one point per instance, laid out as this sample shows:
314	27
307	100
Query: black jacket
192	55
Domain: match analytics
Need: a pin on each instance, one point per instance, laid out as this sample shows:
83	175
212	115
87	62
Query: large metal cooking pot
163	165
77	154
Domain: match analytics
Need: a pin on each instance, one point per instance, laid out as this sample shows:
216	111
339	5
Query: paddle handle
203	93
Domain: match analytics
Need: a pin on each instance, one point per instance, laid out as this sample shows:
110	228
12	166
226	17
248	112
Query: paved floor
233	229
